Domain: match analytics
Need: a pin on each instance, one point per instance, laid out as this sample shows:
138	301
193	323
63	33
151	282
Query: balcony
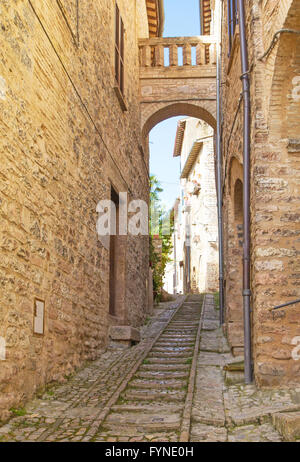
178	55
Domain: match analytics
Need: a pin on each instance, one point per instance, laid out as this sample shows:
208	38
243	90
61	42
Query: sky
182	18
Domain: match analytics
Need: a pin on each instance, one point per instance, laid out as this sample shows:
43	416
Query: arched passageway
196	235
158	112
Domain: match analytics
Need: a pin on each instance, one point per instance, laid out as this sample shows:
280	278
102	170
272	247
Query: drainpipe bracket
247	293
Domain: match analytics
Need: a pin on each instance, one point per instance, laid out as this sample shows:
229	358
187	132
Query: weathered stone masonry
275	187
64	140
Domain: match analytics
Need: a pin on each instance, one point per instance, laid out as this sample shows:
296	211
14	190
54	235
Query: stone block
234	378
288	425
123	336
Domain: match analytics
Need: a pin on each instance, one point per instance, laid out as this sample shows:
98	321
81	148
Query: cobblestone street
170	387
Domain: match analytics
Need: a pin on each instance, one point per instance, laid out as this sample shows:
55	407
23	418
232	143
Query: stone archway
155	113
284	113
173	88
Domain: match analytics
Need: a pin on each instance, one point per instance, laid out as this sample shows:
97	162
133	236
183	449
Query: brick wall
275	177
64	139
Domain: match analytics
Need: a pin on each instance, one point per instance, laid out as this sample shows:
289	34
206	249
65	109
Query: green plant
162	226
217	300
18	412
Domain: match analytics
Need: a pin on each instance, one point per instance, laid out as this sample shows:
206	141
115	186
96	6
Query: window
119	51
232	21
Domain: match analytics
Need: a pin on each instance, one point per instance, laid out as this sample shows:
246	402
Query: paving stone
207	433
158	421
213	359
214	341
208	406
254	434
245	404
157	395
209	324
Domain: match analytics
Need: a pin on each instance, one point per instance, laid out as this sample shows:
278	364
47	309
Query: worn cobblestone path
233	413
75	410
170	387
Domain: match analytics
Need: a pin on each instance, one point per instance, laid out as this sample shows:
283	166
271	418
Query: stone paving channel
173	386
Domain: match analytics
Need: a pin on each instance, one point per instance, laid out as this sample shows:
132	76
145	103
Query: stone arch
275	21
284	113
153	114
235	171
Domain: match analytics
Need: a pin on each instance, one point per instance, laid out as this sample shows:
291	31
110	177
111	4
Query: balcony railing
181	51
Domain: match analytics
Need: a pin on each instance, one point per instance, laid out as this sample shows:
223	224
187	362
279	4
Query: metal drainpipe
219	167
246	194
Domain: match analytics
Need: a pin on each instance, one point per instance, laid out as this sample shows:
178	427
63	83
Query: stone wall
64	139
275	173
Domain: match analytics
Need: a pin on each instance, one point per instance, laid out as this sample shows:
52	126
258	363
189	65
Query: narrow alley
173	387
149	221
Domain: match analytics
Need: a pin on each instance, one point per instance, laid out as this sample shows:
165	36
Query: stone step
175	335
164	367
134	435
171	355
157	384
236	364
159	421
169	361
184	342
180	331
190	330
189	309
184	324
148	408
188	317
171	349
171	396
179	338
191	314
173	343
161	375
288	425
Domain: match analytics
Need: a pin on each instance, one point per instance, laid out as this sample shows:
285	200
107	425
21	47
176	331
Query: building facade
273	40
195	268
70	137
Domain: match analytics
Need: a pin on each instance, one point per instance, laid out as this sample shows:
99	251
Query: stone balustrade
152	51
